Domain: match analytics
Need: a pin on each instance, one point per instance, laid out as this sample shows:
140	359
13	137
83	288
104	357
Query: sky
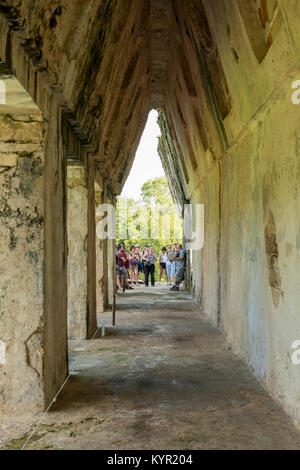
147	164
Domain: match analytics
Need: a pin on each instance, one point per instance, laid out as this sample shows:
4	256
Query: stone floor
163	378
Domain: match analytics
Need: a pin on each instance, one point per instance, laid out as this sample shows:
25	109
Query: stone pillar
77	251
101	261
91	313
111	269
82	322
55	264
22	256
110	198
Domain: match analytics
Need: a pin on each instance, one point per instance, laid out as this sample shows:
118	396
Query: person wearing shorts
163	263
123	264
170	265
133	265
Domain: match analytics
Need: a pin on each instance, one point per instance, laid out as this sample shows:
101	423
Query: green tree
156	192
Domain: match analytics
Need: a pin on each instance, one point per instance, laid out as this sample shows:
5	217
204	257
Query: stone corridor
163	378
78	79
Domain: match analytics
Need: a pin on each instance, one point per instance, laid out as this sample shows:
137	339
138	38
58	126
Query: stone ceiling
115	60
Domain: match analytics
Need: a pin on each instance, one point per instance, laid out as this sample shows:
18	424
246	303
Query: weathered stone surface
8	159
33	254
55	263
77	252
21	272
13	147
221	74
82	253
91	252
243	164
101	256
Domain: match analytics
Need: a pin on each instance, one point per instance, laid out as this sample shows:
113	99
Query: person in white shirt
163	263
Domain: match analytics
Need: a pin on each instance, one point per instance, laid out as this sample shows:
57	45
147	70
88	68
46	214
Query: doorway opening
149	225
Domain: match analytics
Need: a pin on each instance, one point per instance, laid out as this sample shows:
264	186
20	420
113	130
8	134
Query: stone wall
55	263
101	256
21	61
77	252
260	252
91	247
240	147
22	225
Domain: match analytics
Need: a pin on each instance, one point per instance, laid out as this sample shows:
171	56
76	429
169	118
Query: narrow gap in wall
146	213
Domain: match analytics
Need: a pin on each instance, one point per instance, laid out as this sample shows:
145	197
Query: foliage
156	192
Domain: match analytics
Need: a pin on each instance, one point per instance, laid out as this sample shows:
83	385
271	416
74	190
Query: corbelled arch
229	141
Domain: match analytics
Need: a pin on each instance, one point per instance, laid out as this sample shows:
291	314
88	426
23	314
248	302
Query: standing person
153	258
149	264
169	265
144	252
163	263
145	263
123	263
118	269
140	256
174	265
180	267
134	268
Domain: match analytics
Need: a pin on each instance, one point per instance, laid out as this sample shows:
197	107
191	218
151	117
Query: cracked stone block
9	160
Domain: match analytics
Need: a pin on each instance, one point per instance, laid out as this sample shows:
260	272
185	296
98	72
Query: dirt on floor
162	378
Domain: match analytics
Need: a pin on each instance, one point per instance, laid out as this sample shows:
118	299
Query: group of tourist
171	261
